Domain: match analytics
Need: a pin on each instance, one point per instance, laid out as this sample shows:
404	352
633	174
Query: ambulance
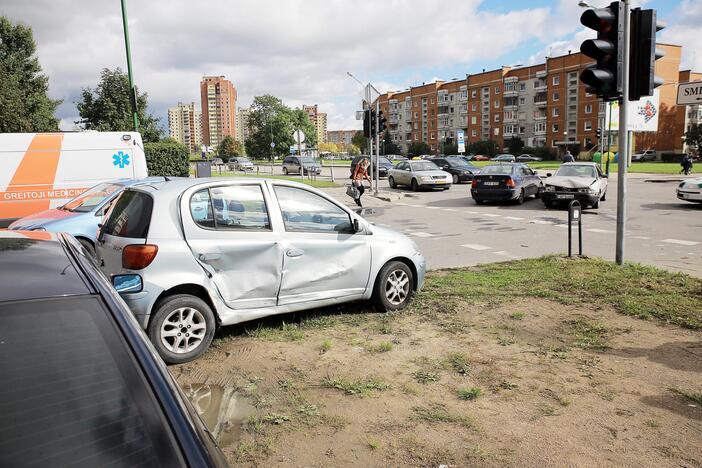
39	171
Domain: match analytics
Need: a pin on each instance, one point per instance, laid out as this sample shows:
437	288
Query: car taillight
138	256
474	184
510	183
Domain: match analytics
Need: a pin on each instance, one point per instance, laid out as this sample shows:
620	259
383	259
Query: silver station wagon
190	255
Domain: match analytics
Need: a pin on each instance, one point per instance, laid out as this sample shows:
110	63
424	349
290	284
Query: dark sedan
460	170
82	386
505	182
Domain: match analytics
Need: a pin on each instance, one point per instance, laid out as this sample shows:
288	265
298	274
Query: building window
522	86
522	101
554	128
556	80
588	109
433	136
497	117
496	131
588	126
497	104
556	112
556	96
416	137
497	90
573	75
473	133
474	93
473	107
473	120
432	100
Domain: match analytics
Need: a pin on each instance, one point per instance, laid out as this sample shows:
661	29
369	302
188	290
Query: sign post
460	138
299	136
690	93
575	214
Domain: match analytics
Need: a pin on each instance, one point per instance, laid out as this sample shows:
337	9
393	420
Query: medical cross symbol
120	159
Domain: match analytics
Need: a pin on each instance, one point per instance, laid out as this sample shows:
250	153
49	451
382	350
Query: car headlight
550	188
466	173
425	178
583	190
592	191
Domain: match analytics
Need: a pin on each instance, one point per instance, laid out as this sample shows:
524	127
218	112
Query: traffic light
598	133
643	56
382	122
373	128
367	123
605	77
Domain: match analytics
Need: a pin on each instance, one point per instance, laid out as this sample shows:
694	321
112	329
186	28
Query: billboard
642	114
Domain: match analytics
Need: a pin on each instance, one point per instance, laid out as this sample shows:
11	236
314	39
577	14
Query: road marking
476	246
471	212
432	207
600	231
492	215
505	254
420	234
448	209
514	218
540	221
417	206
680	242
641	237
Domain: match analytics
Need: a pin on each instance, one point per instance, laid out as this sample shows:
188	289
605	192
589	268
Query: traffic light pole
377	145
132	89
623	144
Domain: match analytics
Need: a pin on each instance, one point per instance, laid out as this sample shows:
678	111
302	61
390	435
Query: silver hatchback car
191	255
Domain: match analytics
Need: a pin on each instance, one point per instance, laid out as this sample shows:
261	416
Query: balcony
541	102
509	134
538	118
540	132
511	79
541	87
510	93
541	74
509	120
511	106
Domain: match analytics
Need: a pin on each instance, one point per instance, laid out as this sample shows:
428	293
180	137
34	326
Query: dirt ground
536	383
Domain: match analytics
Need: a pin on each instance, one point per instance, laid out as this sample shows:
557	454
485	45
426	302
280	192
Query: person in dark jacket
686	164
567	157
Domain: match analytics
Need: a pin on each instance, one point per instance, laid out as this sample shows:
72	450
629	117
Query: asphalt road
453	231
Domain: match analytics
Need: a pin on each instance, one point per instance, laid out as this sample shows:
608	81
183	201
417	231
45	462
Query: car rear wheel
391	182
182	328
604	196
520	198
478	201
455	179
596	204
285	170
415	185
394	286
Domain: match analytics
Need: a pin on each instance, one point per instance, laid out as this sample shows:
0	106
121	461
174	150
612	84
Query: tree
271	120
450	148
229	148
24	102
360	141
328	147
418	148
167	158
107	108
484	147
515	145
693	137
389	146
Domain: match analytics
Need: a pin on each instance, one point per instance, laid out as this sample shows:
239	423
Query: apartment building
319	120
543	105
185	125
343	137
218	100
242	124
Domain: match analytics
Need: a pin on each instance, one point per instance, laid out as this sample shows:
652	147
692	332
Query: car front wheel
415	185
394	286
455	179
391	182
182	328
285	170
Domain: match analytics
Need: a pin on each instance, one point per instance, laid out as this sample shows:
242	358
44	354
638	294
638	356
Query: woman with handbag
360	173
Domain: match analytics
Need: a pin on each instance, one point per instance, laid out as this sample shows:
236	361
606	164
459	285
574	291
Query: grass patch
360	387
459	362
588	334
636	290
373	444
469	393
694	397
382	347
425	377
439	414
516	315
326	346
286	332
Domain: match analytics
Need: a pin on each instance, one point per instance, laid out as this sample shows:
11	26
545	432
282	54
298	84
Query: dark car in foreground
460	170
505	182
81	384
383	163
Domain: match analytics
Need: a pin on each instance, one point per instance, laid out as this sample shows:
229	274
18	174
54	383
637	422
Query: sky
301	50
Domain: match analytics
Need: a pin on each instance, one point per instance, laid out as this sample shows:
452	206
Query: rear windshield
131	215
71	394
88	200
497	169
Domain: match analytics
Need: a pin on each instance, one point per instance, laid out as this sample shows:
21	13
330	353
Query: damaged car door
230	234
323	255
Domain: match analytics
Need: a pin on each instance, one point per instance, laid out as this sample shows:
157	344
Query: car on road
690	190
419	174
505	182
480	157
582	181
383	162
528	158
80	216
646	155
82	384
214	252
241	163
217	162
503	158
295	164
460	170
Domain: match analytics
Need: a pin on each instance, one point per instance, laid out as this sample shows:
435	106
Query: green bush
167	158
544	153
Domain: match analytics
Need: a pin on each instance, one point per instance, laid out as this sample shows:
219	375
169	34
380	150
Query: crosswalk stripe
476	246
680	242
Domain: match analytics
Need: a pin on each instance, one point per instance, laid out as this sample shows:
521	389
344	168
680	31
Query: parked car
505	182
384	163
241	163
503	158
460	170
82	384
80	216
419	174
582	181
646	155
217	162
690	190
480	157
528	158
295	164
216	252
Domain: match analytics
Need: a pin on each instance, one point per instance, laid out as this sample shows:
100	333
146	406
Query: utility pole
377	145
132	88
623	144
609	134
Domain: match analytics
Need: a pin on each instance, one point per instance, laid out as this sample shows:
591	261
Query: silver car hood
432	173
570	182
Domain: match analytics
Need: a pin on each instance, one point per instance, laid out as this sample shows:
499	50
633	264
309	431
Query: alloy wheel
183	330
397	287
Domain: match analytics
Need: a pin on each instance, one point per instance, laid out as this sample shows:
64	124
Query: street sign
299	136
272	144
460	138
690	93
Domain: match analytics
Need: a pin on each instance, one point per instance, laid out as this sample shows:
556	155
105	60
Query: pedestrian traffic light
382	122
373	128
605	77
598	133
643	55
367	123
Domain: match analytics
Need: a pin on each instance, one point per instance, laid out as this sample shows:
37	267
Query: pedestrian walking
686	164
360	173
567	157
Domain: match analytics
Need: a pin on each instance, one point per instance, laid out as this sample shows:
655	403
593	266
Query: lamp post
132	89
368	106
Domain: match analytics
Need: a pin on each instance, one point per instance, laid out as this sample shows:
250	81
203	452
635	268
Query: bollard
257	171
575	213
331	169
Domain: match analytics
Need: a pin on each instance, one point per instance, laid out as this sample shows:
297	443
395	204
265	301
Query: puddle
222	410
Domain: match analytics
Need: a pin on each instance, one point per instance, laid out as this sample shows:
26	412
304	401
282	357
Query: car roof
579	163
35	265
174	187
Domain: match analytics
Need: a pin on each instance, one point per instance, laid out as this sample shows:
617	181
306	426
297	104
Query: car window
234	207
130	215
497	169
402	166
85	202
304	211
423	166
72	393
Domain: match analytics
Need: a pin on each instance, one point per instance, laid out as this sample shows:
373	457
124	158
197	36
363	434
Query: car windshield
383	160
423	166
88	200
307	160
497	169
576	171
243	160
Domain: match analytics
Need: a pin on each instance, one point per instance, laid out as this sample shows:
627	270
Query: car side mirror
548	174
356	226
606	176
445	167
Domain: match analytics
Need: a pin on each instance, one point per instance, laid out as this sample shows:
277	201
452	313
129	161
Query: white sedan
690	190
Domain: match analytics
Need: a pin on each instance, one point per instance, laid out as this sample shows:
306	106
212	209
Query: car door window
234	207
304	211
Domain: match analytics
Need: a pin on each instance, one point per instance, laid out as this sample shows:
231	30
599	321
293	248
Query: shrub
167	158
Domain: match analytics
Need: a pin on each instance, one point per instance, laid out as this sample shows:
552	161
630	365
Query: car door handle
209	257
294	253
